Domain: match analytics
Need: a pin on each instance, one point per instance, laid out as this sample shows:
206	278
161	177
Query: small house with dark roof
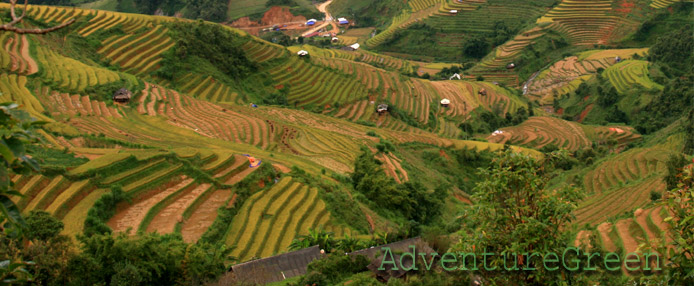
482	92
122	95
272	269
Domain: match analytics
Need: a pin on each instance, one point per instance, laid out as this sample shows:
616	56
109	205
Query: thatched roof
275	268
122	94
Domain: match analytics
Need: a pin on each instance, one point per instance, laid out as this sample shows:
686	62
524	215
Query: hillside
230	139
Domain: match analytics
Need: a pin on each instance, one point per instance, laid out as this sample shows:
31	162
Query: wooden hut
122	95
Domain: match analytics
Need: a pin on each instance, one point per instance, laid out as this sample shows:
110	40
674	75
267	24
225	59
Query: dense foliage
410	201
511	206
208	48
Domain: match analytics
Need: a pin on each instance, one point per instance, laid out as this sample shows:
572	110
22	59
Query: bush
332	269
655	196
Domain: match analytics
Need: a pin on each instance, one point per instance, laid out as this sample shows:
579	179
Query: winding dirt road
323	8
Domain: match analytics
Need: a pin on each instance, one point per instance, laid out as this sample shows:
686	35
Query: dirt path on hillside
131	216
323	8
166	220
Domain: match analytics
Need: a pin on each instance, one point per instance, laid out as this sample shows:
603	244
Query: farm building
311	22
445	102
275	268
355	46
617	59
455	75
511	66
302	53
334	39
382	108
342	21
122	95
482	92
454	12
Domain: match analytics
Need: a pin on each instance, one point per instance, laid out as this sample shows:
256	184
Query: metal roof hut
453	12
510	66
335	39
275	268
382	108
445	102
311	22
482	92
342	21
302	53
122	95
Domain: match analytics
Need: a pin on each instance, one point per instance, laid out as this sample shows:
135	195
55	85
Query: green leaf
6	152
11	212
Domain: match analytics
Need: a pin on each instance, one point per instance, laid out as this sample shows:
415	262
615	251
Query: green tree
42	226
680	204
16	126
514	213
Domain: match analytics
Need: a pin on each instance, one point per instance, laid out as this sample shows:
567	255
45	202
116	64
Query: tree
15	20
476	47
16	126
42	226
680	204
514	214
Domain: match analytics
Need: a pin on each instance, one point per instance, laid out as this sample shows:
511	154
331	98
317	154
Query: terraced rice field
138	52
200	213
210	120
507	52
208	88
15	55
13	89
130	217
401	22
626	74
585	22
314	86
263	51
605	134
564	77
540	131
74	75
64	105
660	4
626	167
600	207
646	227
272	218
52	14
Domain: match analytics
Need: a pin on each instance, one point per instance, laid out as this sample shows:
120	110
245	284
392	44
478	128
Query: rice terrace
347	142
